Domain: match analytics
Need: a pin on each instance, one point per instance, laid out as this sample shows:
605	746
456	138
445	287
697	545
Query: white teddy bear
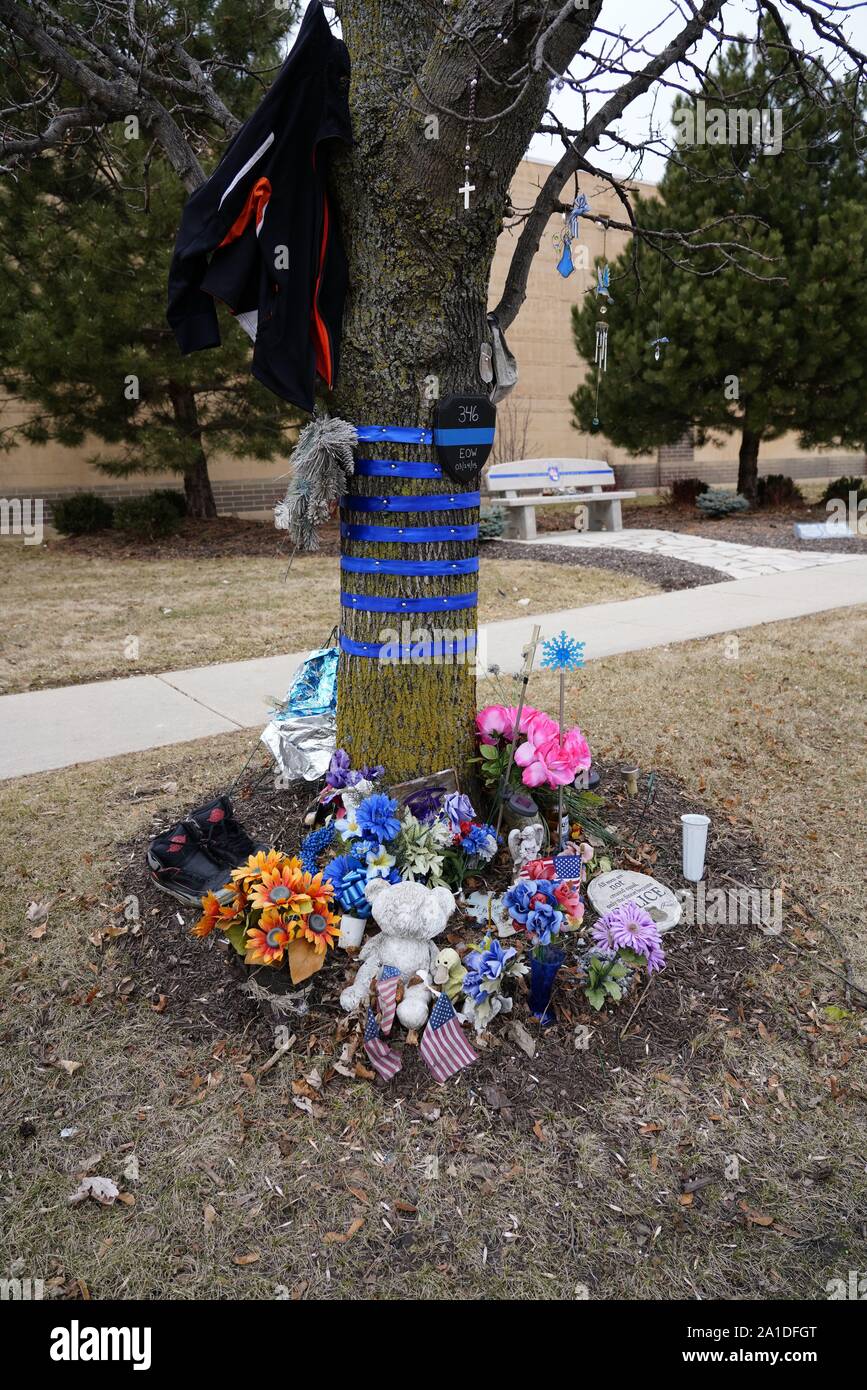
409	916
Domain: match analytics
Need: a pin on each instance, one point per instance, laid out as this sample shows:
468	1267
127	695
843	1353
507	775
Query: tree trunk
197	483
415	318
748	463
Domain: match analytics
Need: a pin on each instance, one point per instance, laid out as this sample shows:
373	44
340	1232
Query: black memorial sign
464	435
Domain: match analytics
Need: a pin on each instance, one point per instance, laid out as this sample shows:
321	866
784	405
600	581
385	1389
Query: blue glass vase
543	972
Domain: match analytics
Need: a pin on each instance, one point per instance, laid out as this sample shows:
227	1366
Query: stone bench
517	485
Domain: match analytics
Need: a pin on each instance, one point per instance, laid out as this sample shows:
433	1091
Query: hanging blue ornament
564	265
603	280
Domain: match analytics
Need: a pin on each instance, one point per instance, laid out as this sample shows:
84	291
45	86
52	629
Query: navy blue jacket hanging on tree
260	236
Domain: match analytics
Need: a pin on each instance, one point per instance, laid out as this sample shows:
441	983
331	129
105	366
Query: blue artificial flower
562	653
314	844
486	969
547	888
480	840
543	922
518	898
376	818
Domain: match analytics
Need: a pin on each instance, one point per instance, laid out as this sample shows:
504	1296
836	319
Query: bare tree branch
515	289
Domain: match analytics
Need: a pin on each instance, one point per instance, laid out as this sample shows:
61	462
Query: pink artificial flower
545	760
538	868
539	727
544	763
498	721
568	895
577	749
492	722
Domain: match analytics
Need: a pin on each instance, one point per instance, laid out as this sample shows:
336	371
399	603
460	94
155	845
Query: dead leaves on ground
103	1191
341	1237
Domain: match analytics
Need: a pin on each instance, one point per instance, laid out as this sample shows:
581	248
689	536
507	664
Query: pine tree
84	345
777	349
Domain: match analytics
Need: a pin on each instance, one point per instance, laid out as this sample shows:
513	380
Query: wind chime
602	291
658	343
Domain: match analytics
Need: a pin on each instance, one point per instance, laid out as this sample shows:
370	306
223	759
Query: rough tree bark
416	313
419	262
197	483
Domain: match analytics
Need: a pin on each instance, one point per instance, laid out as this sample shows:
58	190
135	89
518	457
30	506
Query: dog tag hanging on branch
464	435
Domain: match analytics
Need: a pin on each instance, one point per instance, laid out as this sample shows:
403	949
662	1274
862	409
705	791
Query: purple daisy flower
630	928
603	934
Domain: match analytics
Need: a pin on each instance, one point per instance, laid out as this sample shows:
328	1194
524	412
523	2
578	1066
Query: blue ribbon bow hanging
577	211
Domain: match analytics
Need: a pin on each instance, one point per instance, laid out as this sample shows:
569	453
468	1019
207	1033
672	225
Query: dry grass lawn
570	1201
71	618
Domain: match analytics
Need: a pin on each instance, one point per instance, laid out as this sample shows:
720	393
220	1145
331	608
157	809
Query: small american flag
386	994
443	1046
568	866
384	1058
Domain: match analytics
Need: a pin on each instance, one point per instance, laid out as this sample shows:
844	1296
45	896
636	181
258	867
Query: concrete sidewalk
55	728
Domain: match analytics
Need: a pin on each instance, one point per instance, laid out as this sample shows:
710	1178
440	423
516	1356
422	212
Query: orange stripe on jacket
321	342
253	210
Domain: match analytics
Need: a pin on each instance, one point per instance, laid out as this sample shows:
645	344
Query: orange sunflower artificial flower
214	914
321	929
282	889
246	876
267	942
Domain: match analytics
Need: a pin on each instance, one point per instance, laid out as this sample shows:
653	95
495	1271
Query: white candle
694	846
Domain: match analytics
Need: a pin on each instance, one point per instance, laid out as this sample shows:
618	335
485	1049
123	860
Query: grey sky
636	17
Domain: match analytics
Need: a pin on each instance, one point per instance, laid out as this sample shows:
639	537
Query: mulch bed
704	985
772	526
662	570
227	536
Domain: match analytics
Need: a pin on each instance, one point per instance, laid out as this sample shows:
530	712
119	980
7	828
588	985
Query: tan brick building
535	421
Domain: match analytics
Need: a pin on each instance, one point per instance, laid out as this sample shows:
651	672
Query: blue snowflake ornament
562	653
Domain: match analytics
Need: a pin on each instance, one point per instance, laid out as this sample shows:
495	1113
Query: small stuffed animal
449	972
409	917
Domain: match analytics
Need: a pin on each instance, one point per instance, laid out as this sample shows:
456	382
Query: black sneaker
222	836
181	865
